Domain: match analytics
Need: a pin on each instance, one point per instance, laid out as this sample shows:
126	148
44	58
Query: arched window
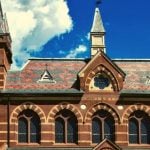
66	127
139	128
102	126
28	127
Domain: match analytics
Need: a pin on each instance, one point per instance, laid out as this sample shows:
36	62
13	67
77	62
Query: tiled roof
65	72
137	75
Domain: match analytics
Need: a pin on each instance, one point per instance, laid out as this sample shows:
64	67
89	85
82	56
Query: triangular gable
98	63
106	145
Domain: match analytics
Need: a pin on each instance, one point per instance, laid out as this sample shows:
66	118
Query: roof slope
137	75
64	72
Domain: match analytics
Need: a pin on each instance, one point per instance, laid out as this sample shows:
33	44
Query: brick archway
133	108
24	106
62	106
100	106
103	69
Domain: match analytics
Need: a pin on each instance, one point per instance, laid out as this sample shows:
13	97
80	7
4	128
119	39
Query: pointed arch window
139	128
103	126
66	127
28	127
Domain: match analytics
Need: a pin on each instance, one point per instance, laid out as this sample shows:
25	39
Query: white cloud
33	23
73	53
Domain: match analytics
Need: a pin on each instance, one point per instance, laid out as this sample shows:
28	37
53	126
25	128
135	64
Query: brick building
85	104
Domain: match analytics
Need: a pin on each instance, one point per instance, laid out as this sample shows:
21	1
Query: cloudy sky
60	28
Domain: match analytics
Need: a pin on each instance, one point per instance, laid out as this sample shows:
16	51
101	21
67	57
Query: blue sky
127	25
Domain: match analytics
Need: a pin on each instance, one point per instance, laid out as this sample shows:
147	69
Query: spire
97	33
97	23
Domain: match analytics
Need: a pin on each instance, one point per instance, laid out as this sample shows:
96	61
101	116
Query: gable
101	64
106	145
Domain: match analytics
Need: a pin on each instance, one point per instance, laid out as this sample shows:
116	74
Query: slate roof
65	73
137	75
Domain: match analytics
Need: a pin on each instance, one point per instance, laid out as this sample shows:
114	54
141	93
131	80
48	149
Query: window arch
29	127
66	127
103	126
139	128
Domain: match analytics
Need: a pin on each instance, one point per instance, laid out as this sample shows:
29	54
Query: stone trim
133	108
59	107
100	106
103	69
24	106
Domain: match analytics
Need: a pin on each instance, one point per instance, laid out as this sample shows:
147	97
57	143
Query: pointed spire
97	34
97	23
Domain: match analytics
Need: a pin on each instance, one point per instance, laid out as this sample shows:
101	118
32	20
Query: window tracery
28	127
66	127
139	128
102	126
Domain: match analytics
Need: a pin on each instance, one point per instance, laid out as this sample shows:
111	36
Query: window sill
28	144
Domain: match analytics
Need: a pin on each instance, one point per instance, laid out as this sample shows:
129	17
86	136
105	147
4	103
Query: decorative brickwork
133	108
57	108
100	106
24	106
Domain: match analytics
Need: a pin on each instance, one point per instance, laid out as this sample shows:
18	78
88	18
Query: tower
97	34
5	49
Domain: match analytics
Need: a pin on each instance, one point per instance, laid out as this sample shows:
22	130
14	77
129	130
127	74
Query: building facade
86	104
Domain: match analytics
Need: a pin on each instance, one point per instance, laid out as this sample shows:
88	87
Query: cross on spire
46	66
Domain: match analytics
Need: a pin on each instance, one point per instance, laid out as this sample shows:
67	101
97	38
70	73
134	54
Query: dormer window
46	77
101	81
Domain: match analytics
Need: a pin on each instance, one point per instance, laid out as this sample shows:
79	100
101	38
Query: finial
46	66
98	2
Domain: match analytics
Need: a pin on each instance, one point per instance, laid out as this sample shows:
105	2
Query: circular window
101	82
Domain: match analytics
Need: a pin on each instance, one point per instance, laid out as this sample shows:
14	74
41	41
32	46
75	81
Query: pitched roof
64	72
137	75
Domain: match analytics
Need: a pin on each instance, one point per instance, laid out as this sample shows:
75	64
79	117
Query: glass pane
96	130
72	130
34	138
59	130
145	130
22	130
35	125
109	128
35	129
23	138
101	82
133	131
